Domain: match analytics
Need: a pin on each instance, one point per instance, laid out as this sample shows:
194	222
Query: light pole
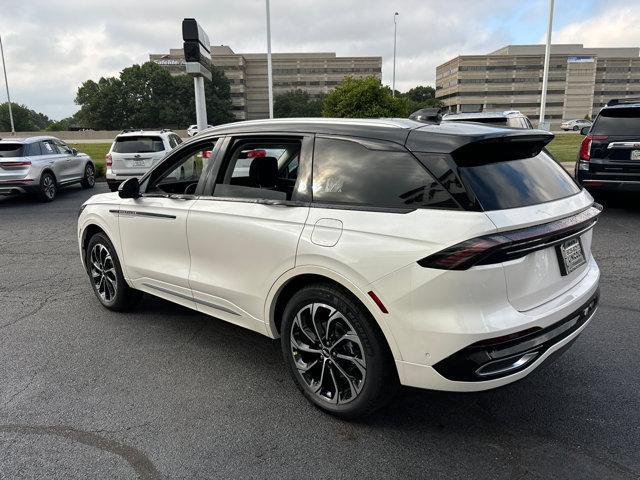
395	31
545	74
6	83
269	71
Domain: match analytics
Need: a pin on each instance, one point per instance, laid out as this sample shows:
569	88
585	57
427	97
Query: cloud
52	46
618	27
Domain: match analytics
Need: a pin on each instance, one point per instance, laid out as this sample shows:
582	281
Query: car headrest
263	171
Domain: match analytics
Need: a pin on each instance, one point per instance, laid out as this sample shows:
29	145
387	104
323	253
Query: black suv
609	156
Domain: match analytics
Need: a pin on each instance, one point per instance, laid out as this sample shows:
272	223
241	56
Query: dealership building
315	73
581	80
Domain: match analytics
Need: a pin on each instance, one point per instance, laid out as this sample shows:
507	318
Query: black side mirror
74	151
130	188
585	130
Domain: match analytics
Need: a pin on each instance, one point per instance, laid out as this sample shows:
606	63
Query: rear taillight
509	245
207	153
585	146
109	160
26	163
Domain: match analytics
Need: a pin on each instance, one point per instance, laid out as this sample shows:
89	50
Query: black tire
576	128
48	187
89	177
365	392
105	275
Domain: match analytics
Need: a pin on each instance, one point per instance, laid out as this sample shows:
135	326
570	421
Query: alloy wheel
328	353
90	176
49	186
103	273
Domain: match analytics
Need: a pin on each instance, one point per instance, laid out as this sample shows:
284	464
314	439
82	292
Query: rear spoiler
500	149
475	144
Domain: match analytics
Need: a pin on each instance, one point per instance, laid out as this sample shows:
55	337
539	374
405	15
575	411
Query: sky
52	46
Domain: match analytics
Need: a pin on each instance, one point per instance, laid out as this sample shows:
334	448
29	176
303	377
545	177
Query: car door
54	160
243	232
72	165
153	227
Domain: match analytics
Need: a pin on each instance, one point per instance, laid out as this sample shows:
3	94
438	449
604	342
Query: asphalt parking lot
164	392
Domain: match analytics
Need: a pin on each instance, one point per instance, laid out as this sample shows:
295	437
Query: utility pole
395	31
6	83
269	70
545	75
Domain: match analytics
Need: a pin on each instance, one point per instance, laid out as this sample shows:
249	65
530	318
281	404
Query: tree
364	98
297	103
24	119
146	96
421	97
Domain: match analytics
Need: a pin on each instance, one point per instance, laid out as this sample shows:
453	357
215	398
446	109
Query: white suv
134	152
382	252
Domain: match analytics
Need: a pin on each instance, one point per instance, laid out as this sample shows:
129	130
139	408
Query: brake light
512	244
256	153
585	146
109	160
207	154
26	163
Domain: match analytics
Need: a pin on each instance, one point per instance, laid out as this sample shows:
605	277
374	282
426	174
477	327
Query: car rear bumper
17	187
463	351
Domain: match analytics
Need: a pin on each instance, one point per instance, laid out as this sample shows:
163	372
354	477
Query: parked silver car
575	125
41	165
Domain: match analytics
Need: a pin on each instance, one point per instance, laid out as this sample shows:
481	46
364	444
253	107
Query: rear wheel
89	177
338	358
576	128
48	189
106	275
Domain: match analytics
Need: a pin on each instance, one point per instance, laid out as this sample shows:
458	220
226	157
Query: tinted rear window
142	144
617	121
11	150
518	183
502	121
347	173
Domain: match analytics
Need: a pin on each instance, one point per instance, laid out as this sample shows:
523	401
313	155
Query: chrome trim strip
524	359
187	297
137	213
591	180
623	145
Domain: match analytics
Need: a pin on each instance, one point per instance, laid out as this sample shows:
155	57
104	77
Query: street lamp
545	74
4	68
395	31
269	70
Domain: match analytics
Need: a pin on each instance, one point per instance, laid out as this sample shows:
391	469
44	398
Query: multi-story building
581	80
315	73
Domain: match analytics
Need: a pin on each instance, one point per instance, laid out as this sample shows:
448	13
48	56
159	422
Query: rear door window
138	144
617	121
9	150
518	183
348	173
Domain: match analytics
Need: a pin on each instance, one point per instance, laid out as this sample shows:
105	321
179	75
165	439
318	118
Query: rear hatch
14	164
615	143
543	219
133	155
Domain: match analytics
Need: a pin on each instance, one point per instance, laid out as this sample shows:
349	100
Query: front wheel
89	177
106	275
337	356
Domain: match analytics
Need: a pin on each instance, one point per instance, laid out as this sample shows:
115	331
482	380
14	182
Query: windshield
8	150
138	144
617	121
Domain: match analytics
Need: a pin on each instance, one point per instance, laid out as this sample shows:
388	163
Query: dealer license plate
570	255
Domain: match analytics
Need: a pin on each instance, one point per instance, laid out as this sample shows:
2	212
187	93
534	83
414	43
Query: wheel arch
292	281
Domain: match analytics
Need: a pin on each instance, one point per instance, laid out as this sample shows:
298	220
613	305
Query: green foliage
297	103
421	97
24	119
364	98
145	96
565	147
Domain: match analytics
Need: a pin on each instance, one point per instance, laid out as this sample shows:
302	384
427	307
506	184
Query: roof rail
166	130
127	130
620	101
